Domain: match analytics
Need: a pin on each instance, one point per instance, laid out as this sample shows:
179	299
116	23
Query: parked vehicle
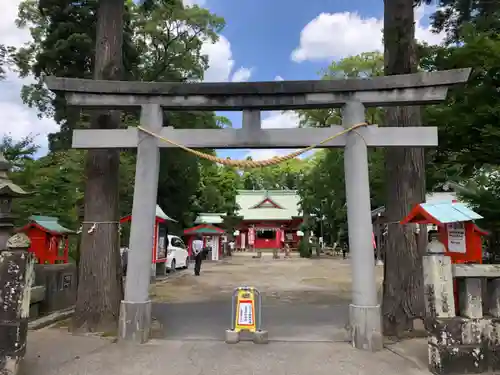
177	254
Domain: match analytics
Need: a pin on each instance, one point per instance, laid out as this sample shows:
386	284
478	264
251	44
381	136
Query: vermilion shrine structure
352	95
159	250
49	239
268	219
211	237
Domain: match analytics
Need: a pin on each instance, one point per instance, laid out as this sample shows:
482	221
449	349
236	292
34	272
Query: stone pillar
135	310
16	275
438	286
364	311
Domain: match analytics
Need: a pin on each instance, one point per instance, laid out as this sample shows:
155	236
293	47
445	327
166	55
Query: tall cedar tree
405	182
100	287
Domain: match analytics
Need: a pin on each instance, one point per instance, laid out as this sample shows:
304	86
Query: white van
177	253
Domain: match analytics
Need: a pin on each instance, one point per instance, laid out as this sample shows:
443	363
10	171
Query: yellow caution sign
245	310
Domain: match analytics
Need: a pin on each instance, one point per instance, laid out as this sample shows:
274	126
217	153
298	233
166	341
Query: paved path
54	352
303	299
285	322
305	311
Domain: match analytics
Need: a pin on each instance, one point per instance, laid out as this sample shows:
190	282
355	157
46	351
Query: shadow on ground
284	321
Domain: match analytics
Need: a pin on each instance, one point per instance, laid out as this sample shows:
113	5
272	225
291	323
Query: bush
304	249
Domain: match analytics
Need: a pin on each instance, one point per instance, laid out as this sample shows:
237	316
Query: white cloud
19	120
221	63
241	75
279	78
280	120
336	35
220	60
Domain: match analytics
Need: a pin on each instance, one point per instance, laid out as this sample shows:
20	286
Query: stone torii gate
352	95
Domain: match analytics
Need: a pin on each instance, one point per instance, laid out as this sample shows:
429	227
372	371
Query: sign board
245	311
66	281
456	237
161	251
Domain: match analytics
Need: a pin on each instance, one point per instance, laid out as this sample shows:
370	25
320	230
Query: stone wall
60	281
463	339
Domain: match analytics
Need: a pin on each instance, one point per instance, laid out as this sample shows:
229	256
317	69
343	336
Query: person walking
197	247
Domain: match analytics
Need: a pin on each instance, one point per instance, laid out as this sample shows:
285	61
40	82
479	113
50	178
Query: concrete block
261	337
232	337
493	294
438	286
60	281
470	291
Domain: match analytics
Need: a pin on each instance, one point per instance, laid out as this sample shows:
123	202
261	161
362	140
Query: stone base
161	269
365	327
232	337
457	359
135	321
261	337
11	365
463	346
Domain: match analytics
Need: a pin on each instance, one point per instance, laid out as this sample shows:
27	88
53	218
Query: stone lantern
8	191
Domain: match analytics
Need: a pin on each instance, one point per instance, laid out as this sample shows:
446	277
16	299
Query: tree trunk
100	287
405	168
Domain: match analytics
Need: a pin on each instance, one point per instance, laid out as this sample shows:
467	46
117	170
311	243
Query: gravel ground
293	280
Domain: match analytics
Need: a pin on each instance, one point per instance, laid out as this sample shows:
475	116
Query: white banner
456	238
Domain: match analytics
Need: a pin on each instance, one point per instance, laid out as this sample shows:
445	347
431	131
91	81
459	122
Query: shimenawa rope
251	163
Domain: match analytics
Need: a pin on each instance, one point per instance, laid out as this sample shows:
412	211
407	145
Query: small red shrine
160	233
269	218
212	236
49	239
457	231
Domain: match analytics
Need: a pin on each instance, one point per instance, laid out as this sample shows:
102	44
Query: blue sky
264	34
264	40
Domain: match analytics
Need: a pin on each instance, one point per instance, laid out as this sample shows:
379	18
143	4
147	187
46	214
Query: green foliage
468	120
6	53
452	15
18	152
162	42
304	248
483	194
286	175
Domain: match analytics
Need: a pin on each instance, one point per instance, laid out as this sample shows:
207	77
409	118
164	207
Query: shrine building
268	219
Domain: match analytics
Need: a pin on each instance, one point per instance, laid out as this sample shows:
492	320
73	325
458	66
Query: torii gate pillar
364	311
